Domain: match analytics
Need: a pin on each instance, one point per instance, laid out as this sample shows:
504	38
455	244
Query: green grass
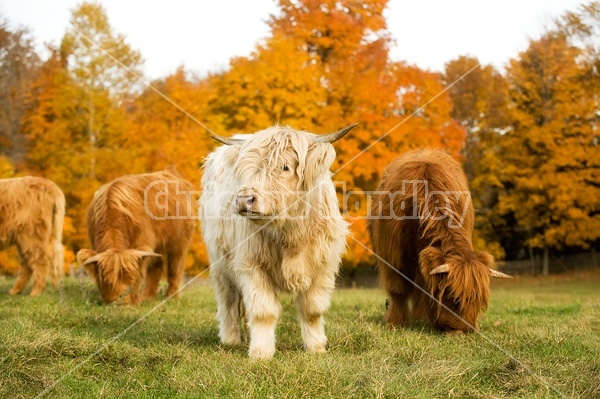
547	326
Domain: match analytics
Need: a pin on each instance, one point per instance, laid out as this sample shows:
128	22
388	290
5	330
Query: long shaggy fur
433	225
32	210
128	220
294	243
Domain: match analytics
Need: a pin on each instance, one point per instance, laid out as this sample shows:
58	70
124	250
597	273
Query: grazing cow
271	223
421	225
132	223
32	210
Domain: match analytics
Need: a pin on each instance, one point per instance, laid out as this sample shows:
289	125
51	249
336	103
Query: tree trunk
532	257
546	264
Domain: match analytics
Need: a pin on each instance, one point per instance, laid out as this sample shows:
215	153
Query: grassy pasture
547	326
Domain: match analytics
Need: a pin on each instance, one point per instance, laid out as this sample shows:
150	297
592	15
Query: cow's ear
231	154
430	260
485	258
89	260
488	260
86	256
319	158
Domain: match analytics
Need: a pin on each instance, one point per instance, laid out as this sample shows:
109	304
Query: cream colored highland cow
32	210
271	223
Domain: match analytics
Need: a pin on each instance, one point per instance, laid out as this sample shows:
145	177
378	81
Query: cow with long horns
271	223
420	226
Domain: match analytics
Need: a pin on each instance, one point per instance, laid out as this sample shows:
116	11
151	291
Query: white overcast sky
204	35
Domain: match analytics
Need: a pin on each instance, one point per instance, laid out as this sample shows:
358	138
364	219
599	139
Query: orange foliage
326	65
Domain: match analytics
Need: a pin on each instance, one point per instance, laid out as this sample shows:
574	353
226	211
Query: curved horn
91	259
445	268
335	136
496	273
143	253
224	140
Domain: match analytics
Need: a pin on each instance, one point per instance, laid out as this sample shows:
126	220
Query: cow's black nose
245	202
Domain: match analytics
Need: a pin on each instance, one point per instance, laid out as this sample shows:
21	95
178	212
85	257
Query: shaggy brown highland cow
32	210
132	223
421	225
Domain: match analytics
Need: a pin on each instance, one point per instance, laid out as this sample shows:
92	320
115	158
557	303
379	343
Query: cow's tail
56	233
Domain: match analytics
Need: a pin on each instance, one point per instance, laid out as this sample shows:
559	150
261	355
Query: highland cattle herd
271	222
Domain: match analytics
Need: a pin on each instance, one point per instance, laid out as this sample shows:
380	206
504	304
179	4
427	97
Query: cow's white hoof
320	349
317	348
261	353
231	341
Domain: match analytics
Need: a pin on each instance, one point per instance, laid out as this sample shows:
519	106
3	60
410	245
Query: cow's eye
286	168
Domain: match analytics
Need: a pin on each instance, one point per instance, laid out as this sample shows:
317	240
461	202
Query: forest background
528	136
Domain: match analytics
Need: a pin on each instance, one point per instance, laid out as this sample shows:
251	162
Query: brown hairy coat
423	229
132	223
32	210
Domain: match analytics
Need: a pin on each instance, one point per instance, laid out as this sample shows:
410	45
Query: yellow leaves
9	261
549	151
6	168
68	227
70	259
326	65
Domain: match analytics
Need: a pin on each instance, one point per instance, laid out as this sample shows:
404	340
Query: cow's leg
311	305
228	305
420	306
153	276
263	309
398	312
399	294
175	269
135	295
23	277
293	270
40	273
39	261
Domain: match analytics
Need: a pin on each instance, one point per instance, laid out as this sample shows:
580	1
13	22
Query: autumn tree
269	88
326	65
480	103
50	125
106	70
18	65
173	132
551	160
77	119
582	28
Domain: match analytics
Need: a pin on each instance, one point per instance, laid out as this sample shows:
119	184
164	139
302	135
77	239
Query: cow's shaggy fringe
292	241
129	233
32	210
440	236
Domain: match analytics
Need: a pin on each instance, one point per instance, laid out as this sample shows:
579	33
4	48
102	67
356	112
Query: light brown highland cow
421	227
133	222
32	210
